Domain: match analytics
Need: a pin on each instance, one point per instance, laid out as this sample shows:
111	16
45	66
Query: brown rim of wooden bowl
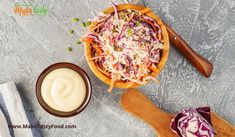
84	76
163	59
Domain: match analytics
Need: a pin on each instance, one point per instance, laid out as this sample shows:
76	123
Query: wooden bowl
164	53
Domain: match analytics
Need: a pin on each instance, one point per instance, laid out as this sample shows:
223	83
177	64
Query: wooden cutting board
140	106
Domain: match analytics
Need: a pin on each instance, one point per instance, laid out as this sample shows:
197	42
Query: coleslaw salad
126	46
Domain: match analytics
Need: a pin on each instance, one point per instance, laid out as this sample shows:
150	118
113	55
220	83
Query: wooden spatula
139	105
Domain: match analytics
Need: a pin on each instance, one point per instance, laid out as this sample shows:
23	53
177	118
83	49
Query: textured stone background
29	44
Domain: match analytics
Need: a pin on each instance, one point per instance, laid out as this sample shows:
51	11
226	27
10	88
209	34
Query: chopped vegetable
75	19
88	23
71	31
193	123
129	32
97	48
88	39
153	69
137	23
83	24
69	49
78	42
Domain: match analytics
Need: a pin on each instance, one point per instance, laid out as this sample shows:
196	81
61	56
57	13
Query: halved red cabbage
193	123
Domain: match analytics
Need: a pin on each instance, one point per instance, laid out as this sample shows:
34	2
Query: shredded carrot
96	26
88	39
153	69
97	48
91	41
112	56
159	36
115	65
145	75
152	24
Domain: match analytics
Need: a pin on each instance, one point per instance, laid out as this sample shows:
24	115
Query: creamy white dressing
63	89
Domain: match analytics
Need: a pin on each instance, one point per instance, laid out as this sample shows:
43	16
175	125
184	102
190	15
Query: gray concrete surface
31	43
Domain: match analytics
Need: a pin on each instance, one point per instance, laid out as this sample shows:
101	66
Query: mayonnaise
63	89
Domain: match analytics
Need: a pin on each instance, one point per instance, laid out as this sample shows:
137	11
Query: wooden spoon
200	63
139	105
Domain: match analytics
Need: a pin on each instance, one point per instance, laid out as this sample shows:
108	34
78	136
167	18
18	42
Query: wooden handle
201	64
136	103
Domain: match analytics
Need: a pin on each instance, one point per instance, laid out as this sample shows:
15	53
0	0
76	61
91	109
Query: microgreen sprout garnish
75	20
129	32
78	42
137	23
88	23
69	49
83	24
71	31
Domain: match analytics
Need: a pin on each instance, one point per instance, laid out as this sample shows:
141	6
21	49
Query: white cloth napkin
15	111
4	131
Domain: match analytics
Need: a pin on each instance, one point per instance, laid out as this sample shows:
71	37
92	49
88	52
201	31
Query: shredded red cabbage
193	123
115	9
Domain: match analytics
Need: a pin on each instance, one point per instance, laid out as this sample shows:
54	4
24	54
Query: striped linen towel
12	112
